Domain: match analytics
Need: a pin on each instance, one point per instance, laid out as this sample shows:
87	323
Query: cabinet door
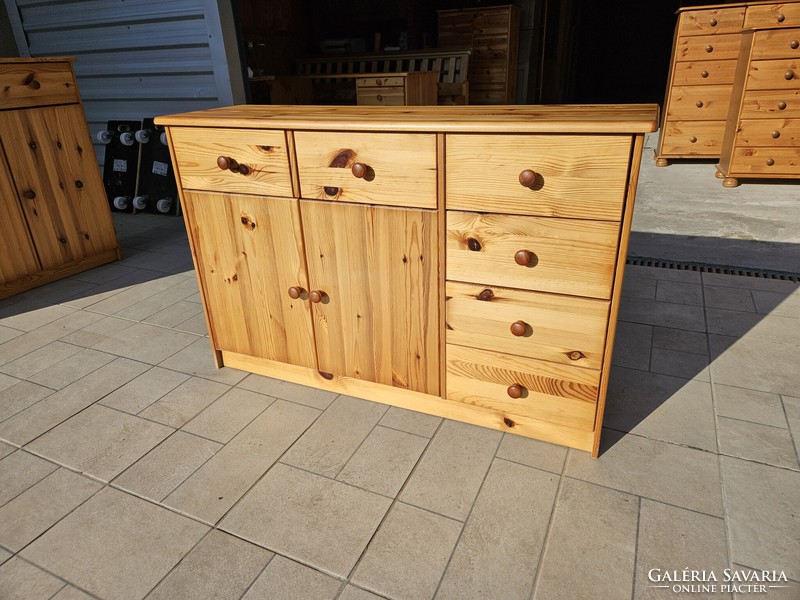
51	156
377	269
249	253
17	257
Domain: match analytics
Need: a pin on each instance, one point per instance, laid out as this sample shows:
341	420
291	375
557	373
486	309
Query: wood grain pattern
777	103
17	255
571	256
249	253
402	167
560	329
708	47
692	138
754	161
776	43
38	83
770	74
378	269
264	152
769	15
713	99
711	21
762	132
577	176
704	72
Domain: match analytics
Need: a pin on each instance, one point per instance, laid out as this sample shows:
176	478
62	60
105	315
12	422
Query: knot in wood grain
248	223
576	355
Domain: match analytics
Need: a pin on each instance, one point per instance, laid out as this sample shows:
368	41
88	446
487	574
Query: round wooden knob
775	134
518	328
474	245
693	139
699	104
523	257
515	391
527	178
795	44
316	296
704	74
224	162
713	22
780	18
29	194
788	75
34	84
781	105
709	48
770	162
295	292
359	170
243	170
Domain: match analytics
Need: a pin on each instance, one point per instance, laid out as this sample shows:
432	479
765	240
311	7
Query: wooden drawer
701	138
371	82
576	176
776	43
770	103
381	96
772	15
782	74
567	256
707	22
24	84
768	132
400	167
699	103
785	161
551	327
708	47
704	72
555	393
257	159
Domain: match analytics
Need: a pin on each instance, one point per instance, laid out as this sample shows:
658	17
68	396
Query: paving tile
504	535
729	298
5	450
115	545
668	473
56	292
777	303
147	343
8	333
228	415
103	273
30	341
19	471
792	406
770	328
632	345
779	590
286	390
20	396
216	486
127	299
197	359
592	544
4	555
141	392
754	364
330	442
166	466
220	566
680	364
451	471
71	593
635	287
661	407
753	441
20	580
46	356
102	329
662	274
351	592
533	453
100	441
318	521
284	579
33	319
196	324
680	292
142	309
410	421
679	339
6	381
748	405
71	369
662	314
408	554
671	536
750	283
174	315
177	407
761	513
35	510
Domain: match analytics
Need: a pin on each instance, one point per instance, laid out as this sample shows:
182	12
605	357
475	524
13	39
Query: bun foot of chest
662	162
719	175
730	182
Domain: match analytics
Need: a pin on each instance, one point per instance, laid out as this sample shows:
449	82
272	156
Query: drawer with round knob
704	72
711	21
708	47
780	74
248	161
528	387
769	16
692	137
768	132
771	103
699	103
565	256
548	175
556	328
40	83
394	169
777	162
381	96
776	43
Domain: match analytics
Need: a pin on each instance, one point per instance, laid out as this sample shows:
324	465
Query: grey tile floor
131	468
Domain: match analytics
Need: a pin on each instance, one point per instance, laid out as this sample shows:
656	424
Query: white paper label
120	165
160	168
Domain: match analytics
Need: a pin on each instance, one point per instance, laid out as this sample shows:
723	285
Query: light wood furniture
440	259
53	209
492	33
375	89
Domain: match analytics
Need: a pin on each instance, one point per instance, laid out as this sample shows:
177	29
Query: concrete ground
131	468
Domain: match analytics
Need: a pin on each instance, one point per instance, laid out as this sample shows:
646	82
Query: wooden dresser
439	259
53	209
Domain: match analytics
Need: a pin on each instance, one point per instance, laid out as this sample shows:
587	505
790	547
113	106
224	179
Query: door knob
316	296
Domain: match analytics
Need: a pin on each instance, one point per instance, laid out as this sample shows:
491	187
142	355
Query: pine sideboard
53	209
463	261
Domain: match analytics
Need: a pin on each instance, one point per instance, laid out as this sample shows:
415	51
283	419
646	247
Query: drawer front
769	103
708	47
708	22
550	392
565	256
766	161
560	329
768	132
370	82
699	103
400	167
257	160
772	15
776	43
693	138
704	72
37	84
575	176
774	75
382	96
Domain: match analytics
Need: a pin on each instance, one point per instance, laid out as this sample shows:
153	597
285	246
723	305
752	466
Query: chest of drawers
439	259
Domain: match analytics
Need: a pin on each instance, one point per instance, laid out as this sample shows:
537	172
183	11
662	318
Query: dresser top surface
30	60
623	118
686	9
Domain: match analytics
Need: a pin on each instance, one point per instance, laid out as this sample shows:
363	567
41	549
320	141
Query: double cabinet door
347	289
